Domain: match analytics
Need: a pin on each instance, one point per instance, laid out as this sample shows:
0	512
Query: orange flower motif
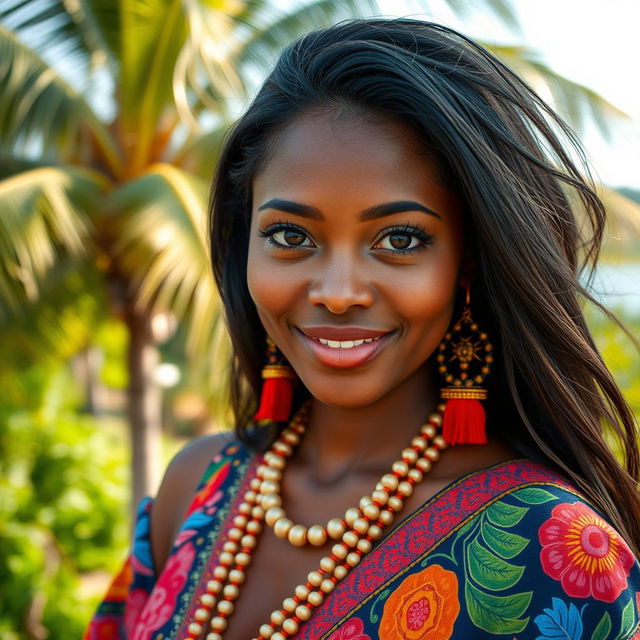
424	607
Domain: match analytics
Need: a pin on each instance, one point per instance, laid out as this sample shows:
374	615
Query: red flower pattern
584	553
353	629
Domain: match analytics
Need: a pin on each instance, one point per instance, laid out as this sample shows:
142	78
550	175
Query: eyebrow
371	213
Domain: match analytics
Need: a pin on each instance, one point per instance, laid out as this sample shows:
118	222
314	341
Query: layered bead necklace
355	533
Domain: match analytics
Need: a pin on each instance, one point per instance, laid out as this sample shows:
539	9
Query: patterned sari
510	552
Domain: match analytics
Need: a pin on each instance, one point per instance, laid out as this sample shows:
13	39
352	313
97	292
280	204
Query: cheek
272	289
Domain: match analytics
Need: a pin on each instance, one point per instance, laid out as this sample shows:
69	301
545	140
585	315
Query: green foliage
63	509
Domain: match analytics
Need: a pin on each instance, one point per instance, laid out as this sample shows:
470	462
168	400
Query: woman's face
354	255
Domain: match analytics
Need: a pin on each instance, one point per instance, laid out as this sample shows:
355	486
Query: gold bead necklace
360	527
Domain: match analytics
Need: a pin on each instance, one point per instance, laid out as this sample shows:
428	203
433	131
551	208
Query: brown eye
400	240
293	238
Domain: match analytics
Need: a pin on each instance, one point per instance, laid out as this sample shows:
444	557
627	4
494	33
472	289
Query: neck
343	439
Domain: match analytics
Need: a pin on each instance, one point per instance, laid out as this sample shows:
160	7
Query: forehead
349	150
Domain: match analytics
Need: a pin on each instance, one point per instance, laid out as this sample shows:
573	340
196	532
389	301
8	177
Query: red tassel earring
464	419
277	389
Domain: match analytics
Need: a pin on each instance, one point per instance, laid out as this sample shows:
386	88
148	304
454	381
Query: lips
344	358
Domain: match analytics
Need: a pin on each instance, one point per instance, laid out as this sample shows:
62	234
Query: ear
467	272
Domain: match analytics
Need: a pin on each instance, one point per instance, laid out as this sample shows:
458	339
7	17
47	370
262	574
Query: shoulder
179	484
546	544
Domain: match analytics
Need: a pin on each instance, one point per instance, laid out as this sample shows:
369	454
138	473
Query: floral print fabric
511	552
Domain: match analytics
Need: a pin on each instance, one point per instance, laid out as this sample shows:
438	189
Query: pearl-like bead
235	534
278	636
245	508
350	538
428	431
289	604
432	454
290	626
381	496
303	612
240	521
226	607
314	578
386	517
282	448
236	576
201	615
395	503
248	541
214	586
419	443
361	525
353	558
351	515
416	475
435	419
365	545
282	526
266	631
226	558
254	527
243	558
340	572
389	481
195	629
269	486
213	636
327	564
409	456
255	483
441	407
423	465
271	500
371	511
302	591
374	532
230	546
339	550
274	460
275	475
440	442
207	600
218	623
317	535
220	573
336	528
326	586
297	535
315	598
277	617
405	488
231	591
400	467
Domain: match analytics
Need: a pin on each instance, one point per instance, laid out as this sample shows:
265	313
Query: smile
344	344
344	354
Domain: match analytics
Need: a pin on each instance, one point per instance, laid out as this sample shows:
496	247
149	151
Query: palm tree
110	116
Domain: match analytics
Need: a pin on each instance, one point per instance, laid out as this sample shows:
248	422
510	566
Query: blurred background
113	350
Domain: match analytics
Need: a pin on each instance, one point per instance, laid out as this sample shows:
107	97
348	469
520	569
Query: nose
340	284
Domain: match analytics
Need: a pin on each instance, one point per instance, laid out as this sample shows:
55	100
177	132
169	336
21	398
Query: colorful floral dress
510	552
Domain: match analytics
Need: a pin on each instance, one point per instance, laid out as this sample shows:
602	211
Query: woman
393	221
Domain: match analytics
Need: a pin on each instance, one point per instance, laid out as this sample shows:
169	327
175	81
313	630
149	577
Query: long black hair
506	153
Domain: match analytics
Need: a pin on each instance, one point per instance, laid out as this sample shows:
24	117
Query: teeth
345	344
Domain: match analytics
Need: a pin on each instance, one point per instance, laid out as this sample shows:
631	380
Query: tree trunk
143	405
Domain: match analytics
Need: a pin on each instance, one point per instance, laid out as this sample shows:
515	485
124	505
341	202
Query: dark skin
341	271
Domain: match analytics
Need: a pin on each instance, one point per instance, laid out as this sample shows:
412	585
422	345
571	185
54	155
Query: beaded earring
464	416
277	389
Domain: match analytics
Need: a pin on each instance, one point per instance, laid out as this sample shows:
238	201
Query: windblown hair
533	222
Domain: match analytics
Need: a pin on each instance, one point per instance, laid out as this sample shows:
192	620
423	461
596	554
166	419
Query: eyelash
416	231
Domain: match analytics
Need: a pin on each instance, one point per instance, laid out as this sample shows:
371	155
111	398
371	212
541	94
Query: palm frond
158	221
153	33
575	102
84	31
44	214
39	110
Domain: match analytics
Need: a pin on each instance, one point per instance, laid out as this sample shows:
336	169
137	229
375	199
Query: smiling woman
419	449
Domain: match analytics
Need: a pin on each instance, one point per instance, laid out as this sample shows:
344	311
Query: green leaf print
505	515
374	617
603	629
490	571
628	619
497	614
504	543
533	495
